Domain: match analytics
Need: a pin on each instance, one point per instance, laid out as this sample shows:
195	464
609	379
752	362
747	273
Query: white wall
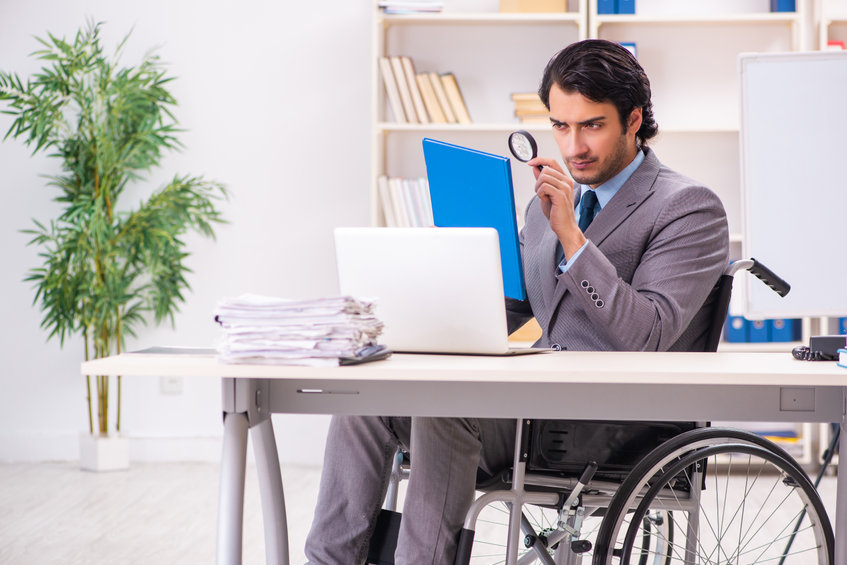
275	98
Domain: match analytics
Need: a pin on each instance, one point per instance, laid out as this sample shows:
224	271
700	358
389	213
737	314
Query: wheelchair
645	493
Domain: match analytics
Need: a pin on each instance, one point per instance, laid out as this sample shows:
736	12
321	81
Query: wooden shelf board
483	18
755	18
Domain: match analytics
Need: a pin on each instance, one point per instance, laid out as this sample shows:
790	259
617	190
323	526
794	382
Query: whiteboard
794	180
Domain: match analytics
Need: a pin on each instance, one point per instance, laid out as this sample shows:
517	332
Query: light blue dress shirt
604	193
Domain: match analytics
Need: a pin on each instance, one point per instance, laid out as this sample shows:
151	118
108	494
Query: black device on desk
821	348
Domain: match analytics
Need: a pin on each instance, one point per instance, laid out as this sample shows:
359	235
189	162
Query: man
634	279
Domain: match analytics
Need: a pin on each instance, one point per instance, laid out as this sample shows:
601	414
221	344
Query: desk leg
270	490
231	498
518	473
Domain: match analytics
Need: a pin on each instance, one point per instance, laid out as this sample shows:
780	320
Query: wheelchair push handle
770	278
774	281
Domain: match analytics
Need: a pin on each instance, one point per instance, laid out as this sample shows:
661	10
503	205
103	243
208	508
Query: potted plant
104	266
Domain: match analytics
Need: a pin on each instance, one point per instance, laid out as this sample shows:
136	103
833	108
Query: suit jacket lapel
635	190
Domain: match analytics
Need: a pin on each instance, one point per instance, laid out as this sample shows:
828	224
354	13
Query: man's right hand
555	190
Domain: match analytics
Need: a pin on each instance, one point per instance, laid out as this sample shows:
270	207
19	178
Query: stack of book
421	98
529	108
268	330
411	7
405	202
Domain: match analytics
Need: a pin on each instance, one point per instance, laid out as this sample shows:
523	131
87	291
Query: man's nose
576	144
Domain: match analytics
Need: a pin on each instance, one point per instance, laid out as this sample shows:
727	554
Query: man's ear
634	121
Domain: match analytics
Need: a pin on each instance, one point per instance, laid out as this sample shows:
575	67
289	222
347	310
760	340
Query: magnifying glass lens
522	145
522	148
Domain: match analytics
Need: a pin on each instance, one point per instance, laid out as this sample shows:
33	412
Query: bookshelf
695	87
470	43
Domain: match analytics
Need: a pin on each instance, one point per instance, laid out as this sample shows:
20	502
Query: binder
759	331
785	329
783	6
472	189
626	6
606	6
736	329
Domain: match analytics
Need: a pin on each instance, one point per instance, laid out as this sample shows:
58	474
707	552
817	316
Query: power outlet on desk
171	386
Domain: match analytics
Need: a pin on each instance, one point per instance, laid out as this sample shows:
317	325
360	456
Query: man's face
591	140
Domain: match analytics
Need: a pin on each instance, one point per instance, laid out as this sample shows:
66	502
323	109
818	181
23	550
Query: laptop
436	290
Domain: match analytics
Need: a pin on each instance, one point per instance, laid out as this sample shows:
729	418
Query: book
454	95
433	108
842	358
417	99
534	6
401	206
438	87
403	87
413	7
391	90
413	201
389	212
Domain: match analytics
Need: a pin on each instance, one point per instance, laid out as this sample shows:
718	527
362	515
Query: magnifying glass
523	146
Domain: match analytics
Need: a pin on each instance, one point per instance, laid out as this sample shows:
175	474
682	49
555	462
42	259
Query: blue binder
785	329
472	189
626	6
607	7
736	330
759	331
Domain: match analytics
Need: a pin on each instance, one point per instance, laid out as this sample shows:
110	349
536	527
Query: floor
163	513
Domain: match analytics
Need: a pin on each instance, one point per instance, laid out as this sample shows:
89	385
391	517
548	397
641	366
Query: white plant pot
103	453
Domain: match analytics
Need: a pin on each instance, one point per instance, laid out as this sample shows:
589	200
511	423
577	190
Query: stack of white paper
268	330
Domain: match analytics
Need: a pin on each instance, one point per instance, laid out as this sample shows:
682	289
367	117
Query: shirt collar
608	189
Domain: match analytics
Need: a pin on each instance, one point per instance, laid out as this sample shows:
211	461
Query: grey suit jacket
654	254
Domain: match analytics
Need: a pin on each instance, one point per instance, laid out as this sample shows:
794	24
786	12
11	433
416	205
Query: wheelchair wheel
735	499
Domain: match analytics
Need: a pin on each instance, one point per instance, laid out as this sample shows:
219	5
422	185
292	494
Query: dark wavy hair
603	71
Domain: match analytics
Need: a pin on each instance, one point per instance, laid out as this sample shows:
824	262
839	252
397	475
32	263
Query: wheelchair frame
569	491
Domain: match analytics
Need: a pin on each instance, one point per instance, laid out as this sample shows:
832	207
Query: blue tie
588	208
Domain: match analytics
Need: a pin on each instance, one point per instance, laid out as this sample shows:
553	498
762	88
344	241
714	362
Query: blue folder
472	189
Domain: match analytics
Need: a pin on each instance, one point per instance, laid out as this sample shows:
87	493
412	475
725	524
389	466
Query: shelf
509	126
482	18
475	127
756	18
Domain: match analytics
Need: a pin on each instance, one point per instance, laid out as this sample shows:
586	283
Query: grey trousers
445	454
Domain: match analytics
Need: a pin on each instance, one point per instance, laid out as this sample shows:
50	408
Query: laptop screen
437	290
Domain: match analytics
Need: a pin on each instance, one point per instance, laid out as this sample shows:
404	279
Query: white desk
573	385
